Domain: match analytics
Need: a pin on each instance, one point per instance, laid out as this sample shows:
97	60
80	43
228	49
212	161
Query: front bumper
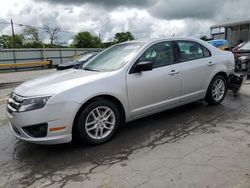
54	115
43	141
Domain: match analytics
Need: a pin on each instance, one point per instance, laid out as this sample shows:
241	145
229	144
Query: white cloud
162	18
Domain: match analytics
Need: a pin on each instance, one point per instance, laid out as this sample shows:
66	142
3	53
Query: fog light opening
36	131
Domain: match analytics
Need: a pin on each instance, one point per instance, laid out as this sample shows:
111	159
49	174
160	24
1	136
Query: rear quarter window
206	52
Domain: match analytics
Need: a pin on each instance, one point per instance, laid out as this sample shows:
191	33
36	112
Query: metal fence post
60	51
41	52
14	56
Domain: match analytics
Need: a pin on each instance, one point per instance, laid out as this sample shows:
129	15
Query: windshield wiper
88	69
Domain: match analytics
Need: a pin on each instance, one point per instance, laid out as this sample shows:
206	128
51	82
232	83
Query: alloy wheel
218	89
100	122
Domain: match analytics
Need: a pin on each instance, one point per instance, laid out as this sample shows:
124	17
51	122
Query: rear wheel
98	122
217	90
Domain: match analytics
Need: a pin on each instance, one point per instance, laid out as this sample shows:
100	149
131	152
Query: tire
212	96
90	125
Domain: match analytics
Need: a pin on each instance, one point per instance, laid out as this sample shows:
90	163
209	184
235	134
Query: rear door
197	66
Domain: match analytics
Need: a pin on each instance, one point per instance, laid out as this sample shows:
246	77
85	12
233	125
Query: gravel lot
193	146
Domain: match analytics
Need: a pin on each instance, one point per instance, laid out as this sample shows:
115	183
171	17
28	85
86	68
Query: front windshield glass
85	57
245	46
113	58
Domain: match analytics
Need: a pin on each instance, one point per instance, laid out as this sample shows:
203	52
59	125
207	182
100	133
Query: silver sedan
123	83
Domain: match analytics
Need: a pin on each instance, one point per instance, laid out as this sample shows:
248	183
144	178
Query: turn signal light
56	129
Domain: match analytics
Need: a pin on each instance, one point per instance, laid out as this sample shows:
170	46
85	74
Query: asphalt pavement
193	146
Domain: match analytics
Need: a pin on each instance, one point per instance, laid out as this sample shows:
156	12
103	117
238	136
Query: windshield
246	46
85	57
113	58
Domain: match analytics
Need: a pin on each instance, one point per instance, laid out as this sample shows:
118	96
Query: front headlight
33	104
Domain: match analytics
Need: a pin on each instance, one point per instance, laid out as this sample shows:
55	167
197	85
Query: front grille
14	103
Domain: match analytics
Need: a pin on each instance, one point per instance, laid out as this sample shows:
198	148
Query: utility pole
13	33
13	40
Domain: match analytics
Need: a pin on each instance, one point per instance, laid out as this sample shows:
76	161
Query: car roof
153	40
148	42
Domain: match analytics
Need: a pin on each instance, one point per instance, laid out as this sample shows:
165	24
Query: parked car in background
238	46
243	48
242	58
125	82
220	43
78	62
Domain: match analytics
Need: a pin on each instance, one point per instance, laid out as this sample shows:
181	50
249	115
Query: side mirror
144	66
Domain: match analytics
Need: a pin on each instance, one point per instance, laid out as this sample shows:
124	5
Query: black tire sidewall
209	98
82	135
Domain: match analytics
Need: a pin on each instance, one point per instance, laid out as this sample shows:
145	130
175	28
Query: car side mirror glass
144	66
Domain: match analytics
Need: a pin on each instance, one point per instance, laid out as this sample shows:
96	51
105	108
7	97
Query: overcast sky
144	18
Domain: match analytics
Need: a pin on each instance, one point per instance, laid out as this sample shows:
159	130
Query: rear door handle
173	72
210	64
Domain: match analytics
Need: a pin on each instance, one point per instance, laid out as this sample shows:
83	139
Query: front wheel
217	90
98	122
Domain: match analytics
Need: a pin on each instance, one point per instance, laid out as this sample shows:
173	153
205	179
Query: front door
158	89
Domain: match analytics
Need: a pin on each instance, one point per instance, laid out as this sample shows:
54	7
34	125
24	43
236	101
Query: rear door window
190	50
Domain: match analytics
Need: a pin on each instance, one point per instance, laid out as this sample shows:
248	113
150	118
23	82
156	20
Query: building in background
233	31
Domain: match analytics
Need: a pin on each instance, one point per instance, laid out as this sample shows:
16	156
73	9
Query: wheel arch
104	96
224	74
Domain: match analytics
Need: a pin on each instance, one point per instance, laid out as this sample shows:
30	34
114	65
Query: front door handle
174	72
210	64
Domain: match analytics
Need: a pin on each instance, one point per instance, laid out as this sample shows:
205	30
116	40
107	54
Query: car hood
242	51
58	82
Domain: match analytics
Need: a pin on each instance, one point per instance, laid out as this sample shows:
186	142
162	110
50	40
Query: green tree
205	38
86	40
123	36
71	45
7	41
31	36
